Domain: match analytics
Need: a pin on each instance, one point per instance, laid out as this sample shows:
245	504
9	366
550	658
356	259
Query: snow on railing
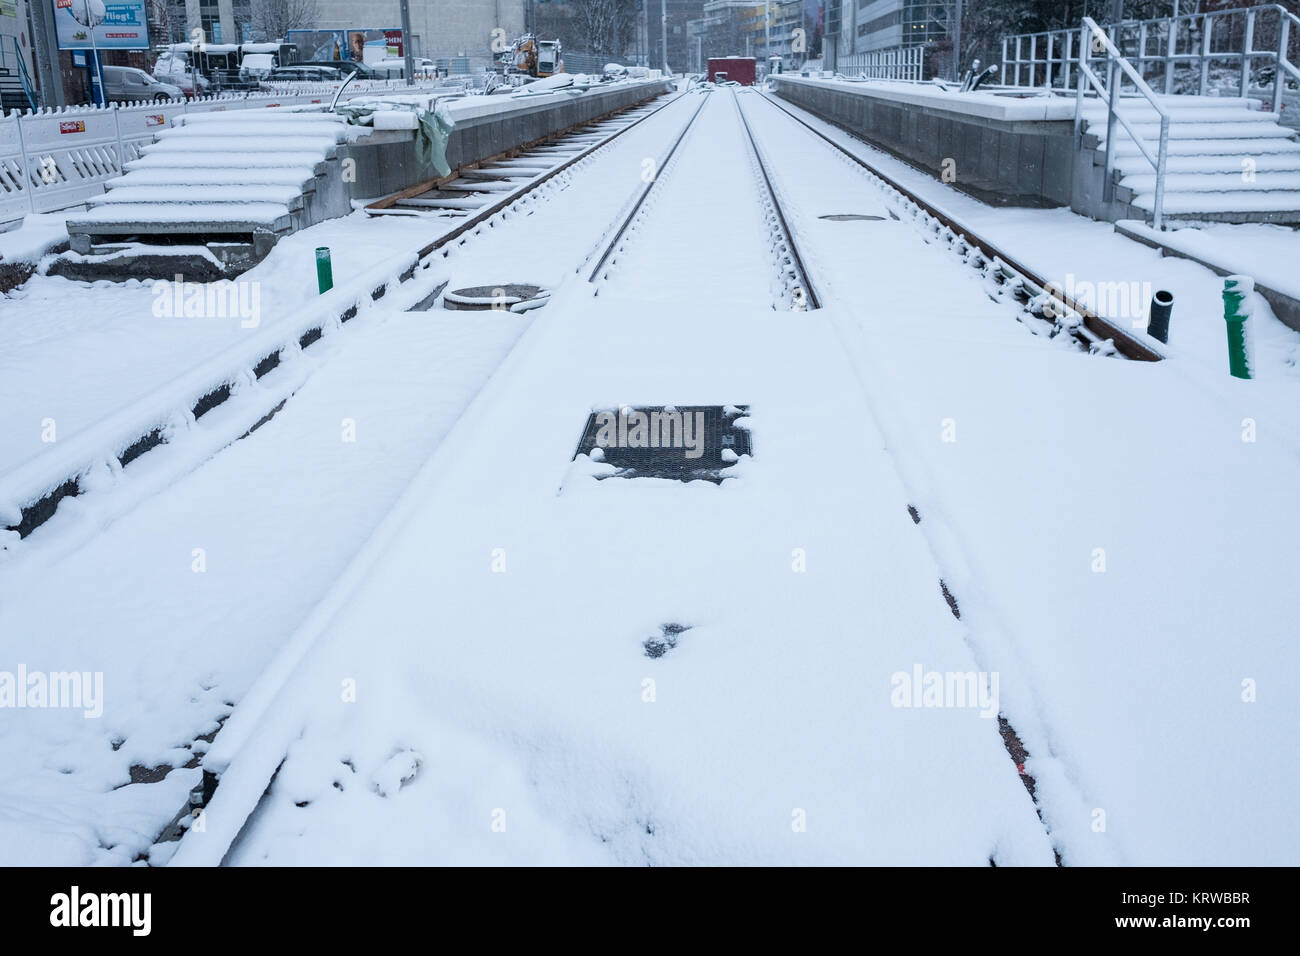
1258	47
1091	37
898	63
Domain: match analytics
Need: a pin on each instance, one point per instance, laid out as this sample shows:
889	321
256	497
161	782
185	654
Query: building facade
865	26
679	55
747	28
439	28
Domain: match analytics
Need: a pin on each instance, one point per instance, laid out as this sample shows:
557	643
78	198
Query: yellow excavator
536	58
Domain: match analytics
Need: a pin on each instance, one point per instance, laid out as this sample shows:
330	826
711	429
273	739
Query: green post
1236	312
324	270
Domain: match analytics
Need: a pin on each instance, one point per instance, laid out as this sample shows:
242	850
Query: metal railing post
1279	76
117	131
28	185
1207	30
1069	58
1171	50
1084	45
1112	89
1249	41
1158	210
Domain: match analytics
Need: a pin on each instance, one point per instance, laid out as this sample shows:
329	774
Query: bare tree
606	26
275	18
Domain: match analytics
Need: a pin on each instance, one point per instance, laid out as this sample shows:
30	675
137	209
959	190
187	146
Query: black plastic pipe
1162	304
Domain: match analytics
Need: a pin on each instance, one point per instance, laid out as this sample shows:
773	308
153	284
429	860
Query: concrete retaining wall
485	126
1004	150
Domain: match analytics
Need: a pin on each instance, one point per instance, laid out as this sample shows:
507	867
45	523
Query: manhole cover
850	217
681	442
510	296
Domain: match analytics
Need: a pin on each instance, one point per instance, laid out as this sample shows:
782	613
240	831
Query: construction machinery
534	57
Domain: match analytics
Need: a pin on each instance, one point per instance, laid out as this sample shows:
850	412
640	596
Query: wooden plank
452	204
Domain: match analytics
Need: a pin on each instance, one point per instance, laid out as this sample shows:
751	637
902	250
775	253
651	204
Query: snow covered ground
1130	678
443	622
275	518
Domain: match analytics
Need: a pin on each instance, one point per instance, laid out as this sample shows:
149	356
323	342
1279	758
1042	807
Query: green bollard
1236	312
324	270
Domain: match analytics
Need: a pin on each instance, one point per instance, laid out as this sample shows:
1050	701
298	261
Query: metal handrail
1092	36
23	77
1049	56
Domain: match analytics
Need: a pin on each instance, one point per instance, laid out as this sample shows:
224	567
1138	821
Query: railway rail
527	172
234	381
1089	328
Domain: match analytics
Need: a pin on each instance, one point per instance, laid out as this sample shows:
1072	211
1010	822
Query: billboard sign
364	46
117	24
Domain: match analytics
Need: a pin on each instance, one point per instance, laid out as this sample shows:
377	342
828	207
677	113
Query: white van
255	67
125	84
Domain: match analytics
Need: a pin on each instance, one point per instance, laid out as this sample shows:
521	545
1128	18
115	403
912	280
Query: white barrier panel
52	159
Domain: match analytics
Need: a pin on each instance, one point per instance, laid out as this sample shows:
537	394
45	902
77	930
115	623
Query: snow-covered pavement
436	622
276	519
1121	554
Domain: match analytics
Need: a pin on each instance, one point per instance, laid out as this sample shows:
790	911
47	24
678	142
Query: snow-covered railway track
841	268
238	390
694	313
472	194
1041	298
699	183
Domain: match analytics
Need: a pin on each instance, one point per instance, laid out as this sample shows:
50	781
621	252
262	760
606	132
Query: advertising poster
362	45
117	24
319	45
369	46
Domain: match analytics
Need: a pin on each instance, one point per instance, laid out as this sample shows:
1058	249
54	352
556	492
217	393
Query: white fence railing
898	63
52	159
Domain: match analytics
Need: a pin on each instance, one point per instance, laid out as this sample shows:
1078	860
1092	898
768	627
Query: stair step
1214	115
236	149
201	160
230	214
1279	201
199	193
215	176
1204	147
1213	182
1284	162
1179	131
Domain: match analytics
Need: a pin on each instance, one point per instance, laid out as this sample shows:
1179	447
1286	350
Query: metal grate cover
680	442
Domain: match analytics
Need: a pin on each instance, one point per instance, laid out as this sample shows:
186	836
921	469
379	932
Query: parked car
256	67
174	68
345	67
394	68
125	84
298	73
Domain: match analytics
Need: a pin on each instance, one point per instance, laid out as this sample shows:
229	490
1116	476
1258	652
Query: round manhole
512	296
850	217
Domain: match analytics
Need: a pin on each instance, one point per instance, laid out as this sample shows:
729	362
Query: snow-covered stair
1228	160
250	176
